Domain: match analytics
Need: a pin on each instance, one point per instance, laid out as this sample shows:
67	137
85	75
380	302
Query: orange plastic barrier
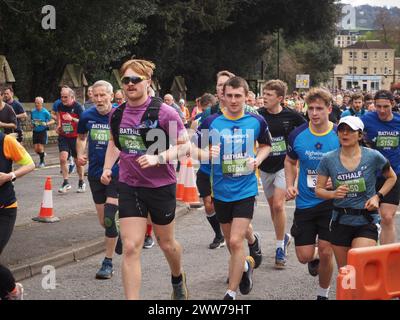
371	274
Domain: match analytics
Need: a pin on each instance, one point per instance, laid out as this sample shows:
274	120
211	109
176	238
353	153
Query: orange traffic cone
46	211
191	195
180	187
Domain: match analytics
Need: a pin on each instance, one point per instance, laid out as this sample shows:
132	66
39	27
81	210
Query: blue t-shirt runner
98	127
39	119
230	178
361	182
384	136
309	147
206	168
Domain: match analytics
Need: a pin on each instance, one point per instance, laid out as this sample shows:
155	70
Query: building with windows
367	65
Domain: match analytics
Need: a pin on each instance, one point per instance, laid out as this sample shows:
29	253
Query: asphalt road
30	189
206	270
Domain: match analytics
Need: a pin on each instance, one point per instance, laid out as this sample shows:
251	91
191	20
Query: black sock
41	155
177	280
215	225
81	183
66	182
108	259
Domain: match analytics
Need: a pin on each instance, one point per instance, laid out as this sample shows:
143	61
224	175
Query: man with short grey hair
94	129
169	100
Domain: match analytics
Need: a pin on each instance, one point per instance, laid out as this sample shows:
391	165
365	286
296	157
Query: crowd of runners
338	158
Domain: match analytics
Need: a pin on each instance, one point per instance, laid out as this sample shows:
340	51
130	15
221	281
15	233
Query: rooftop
370	44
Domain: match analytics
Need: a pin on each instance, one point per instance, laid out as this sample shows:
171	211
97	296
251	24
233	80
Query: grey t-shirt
360	181
7	115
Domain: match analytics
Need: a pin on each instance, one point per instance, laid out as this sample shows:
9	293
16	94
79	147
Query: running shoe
217	243
65	188
228	297
280	259
313	267
255	251
246	284
322	298
148	242
281	254
81	188
18	293
106	271
180	291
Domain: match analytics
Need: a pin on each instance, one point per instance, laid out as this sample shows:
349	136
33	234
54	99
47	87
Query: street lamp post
278	58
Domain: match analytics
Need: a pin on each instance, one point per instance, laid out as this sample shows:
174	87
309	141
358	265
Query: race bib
37	123
132	144
312	180
67	128
355	186
237	168
387	142
278	146
100	135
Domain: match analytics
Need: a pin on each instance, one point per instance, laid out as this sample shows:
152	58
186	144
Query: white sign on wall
303	81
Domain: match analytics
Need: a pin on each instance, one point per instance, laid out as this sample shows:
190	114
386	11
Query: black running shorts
310	223
101	192
203	184
139	202
67	145
343	235
39	137
227	211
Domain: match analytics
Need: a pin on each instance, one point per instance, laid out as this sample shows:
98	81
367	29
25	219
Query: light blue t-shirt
309	148
39	119
360	181
231	180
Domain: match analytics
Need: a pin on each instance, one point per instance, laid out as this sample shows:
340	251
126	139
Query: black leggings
7	222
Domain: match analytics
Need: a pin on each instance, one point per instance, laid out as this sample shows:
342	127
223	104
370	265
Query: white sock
323	292
232	294
280	244
246	266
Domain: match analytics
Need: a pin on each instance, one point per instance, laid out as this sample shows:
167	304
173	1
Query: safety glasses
132	79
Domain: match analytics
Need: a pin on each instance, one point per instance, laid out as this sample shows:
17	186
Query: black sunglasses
132	79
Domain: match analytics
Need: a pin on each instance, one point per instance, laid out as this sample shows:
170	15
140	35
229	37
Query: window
375	70
375	55
355	55
386	70
355	70
351	55
350	70
365	55
386	55
365	70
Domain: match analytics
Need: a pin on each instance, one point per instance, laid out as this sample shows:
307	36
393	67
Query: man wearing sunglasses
382	132
147	180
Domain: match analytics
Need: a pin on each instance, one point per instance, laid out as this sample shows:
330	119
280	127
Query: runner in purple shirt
147	136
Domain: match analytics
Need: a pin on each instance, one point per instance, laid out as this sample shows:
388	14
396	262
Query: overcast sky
379	3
